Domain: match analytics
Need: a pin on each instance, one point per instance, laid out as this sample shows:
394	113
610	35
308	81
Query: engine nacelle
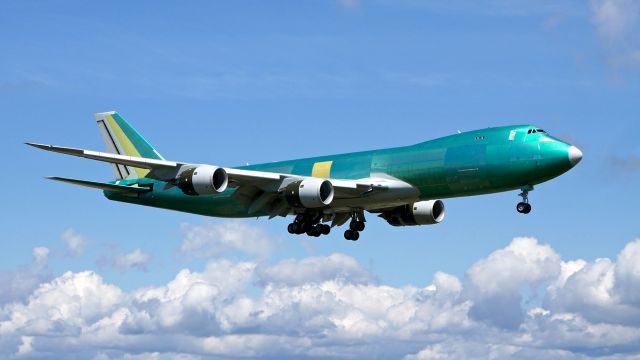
420	213
309	193
203	180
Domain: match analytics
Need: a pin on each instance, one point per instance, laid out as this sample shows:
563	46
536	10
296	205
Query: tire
356	236
527	209
360	226
353	226
348	234
326	229
521	207
291	228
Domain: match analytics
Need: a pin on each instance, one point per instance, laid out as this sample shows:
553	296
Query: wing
262	191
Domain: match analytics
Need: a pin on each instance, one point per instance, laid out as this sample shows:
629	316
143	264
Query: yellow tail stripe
126	144
322	169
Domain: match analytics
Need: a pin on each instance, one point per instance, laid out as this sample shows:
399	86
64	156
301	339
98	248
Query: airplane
402	185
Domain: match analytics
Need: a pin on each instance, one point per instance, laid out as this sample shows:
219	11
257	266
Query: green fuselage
471	163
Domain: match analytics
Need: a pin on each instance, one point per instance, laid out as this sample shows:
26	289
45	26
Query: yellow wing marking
322	169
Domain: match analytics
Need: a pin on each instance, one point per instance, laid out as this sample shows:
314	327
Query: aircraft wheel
360	225
314	231
348	234
291	228
325	229
353	226
351	235
522	207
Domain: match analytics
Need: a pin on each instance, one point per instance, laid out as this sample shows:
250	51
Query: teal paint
471	163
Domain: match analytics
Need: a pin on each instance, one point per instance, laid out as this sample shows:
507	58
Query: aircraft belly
383	199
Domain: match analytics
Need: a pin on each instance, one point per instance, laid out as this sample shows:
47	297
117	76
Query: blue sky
252	81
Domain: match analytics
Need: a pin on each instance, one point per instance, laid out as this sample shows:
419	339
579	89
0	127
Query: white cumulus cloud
316	269
494	282
213	239
18	284
332	307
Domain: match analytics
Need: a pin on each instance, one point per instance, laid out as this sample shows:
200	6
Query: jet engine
203	180
420	213
309	193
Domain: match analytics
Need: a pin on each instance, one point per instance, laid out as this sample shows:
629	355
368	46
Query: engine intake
420	213
309	193
203	180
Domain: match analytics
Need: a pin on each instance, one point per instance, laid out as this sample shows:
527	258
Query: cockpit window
533	131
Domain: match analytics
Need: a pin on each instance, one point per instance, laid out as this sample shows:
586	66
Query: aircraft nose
575	155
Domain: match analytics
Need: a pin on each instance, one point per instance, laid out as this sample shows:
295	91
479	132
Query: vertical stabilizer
121	138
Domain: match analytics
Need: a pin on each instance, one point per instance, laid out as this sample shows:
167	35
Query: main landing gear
355	226
309	224
524	207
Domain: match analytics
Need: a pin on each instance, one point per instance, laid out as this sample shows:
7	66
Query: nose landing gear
524	207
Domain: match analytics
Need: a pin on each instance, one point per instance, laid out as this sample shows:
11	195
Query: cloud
40	256
136	259
17	285
494	283
316	270
332	307
349	3
123	262
213	239
629	163
614	18
617	23
75	243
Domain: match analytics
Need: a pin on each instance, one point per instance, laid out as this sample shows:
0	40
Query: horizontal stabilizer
122	189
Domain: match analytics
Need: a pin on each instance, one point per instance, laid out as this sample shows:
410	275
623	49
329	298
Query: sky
231	83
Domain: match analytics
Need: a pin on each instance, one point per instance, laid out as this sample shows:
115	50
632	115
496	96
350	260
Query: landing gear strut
524	207
309	224
355	226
